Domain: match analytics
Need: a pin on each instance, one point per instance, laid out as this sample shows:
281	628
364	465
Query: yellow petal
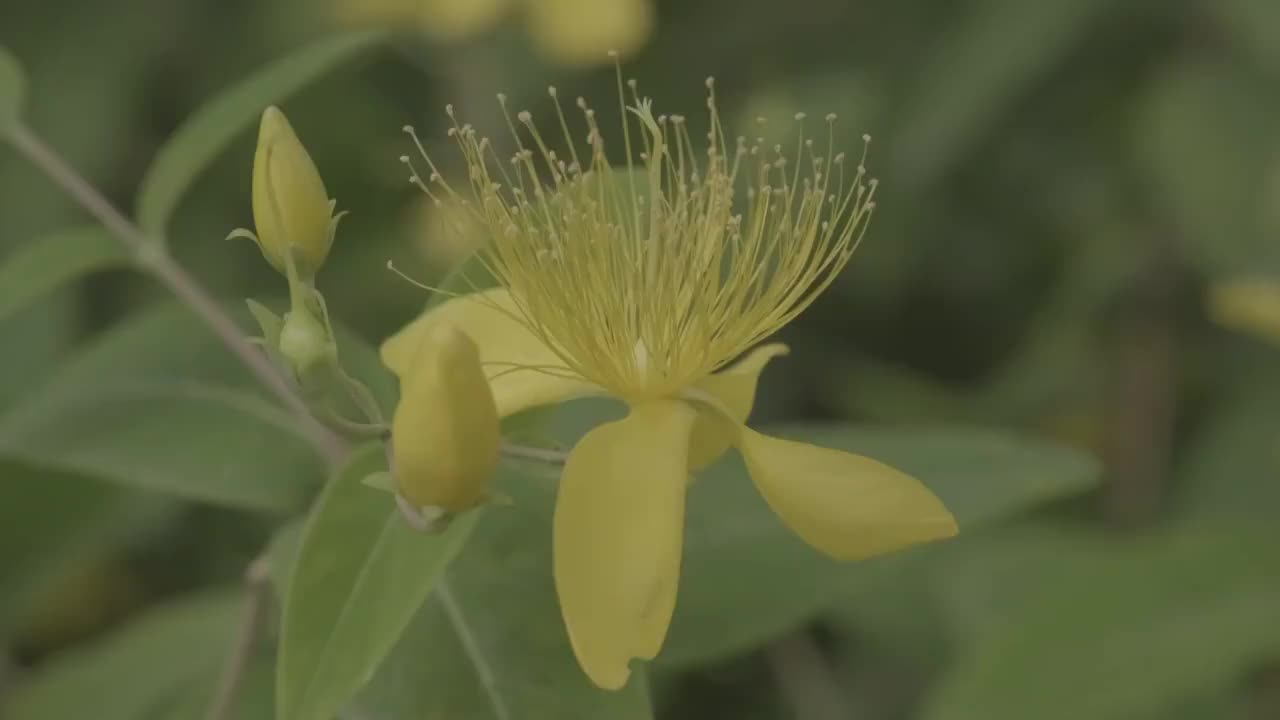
848	506
501	341
1252	306
582	32
444	433
735	389
618	532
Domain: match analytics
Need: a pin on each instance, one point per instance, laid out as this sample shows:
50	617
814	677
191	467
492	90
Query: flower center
643	278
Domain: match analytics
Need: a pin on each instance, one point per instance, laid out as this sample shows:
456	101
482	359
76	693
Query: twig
151	256
256	586
524	452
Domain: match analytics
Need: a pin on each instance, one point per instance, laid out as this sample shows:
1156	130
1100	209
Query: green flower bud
445	435
291	208
304	341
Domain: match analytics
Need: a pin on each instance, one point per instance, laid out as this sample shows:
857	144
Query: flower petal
848	506
735	389
502	341
619	526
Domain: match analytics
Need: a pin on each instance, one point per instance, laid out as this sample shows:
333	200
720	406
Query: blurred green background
1062	184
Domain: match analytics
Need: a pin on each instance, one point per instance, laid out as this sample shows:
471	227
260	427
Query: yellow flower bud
445	435
290	204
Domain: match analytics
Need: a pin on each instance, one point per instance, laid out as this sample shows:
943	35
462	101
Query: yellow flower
646	285
1250	305
291	208
570	32
445	430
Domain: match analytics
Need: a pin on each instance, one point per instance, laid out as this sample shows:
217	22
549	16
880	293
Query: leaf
55	525
191	430
747	579
361	574
1251	23
1205	143
136	670
210	129
965	86
1108	629
48	263
490	643
13	90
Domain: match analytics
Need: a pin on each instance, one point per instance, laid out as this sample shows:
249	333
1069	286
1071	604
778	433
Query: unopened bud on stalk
445	434
291	208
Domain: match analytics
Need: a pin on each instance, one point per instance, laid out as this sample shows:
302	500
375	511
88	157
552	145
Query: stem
256	585
152	257
523	452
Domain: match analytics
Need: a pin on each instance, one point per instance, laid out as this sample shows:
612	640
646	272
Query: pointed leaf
747	579
191	430
360	576
174	648
490	643
48	263
211	128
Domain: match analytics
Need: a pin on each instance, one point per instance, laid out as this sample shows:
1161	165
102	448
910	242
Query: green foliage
139	670
361	573
45	265
13	89
208	132
1167	617
737	548
194	431
965	88
467	653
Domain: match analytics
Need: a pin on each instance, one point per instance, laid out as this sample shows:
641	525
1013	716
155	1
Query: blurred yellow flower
571	32
646	285
1252	306
444	433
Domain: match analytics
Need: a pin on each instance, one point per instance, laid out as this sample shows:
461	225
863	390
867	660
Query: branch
256	582
152	257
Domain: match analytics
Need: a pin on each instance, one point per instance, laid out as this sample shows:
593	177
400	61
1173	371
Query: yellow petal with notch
507	349
618	534
848	506
735	389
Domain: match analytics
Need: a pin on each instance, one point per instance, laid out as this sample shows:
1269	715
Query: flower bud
445	434
291	208
304	341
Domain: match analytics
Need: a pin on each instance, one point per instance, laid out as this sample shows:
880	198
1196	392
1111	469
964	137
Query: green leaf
1099	627
136	670
48	263
747	579
13	90
490	643
1251	25
55	525
192	430
361	574
207	132
965	86
1204	139
269	323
